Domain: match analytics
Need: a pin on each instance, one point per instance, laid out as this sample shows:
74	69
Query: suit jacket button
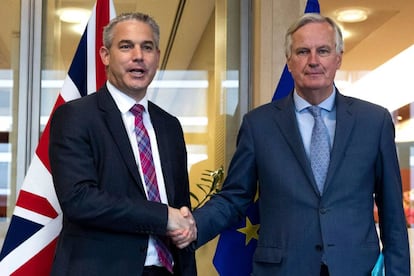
323	210
318	247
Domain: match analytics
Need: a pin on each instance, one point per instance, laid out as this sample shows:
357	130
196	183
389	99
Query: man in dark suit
112	224
313	222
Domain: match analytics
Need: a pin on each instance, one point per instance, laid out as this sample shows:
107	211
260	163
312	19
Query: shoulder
81	102
101	99
362	107
262	110
268	110
79	110
367	115
76	104
358	102
157	111
161	118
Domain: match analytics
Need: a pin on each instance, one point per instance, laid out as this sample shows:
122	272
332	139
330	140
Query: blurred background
214	68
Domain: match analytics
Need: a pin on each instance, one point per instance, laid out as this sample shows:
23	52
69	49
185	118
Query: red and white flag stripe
30	242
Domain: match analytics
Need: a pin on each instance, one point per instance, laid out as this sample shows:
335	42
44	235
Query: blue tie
319	148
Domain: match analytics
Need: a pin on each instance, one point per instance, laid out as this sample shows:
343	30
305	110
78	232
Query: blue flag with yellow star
285	85
236	246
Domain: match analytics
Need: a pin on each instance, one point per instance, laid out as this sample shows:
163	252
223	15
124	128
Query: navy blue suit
107	219
297	224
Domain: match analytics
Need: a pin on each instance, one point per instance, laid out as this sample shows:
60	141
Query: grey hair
313	18
108	34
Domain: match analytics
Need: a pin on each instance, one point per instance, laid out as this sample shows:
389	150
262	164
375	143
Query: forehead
315	33
131	30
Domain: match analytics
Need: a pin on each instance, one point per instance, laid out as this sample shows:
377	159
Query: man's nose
313	59
137	53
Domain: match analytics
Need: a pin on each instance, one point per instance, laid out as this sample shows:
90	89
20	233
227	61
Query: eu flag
235	247
285	85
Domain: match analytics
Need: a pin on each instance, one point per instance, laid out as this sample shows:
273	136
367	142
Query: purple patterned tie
150	178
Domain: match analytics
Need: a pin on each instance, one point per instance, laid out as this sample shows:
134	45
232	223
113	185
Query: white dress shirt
124	104
306	121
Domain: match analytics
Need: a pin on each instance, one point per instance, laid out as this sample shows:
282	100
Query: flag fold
30	242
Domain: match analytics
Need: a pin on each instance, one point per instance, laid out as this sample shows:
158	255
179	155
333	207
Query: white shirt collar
123	101
301	103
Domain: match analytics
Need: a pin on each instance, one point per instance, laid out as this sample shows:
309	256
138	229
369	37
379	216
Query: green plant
212	184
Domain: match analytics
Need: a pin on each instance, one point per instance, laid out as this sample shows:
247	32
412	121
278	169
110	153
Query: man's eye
147	48
302	52
324	52
125	46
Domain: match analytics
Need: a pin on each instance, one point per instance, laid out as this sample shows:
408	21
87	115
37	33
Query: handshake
181	226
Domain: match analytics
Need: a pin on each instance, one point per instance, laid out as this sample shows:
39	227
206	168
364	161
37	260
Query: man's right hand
181	226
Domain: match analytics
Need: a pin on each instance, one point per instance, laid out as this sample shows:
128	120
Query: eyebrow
131	42
125	41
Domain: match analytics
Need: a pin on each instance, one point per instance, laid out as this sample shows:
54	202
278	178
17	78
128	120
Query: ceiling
182	23
386	32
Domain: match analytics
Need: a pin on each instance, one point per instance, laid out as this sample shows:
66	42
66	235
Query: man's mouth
137	71
314	74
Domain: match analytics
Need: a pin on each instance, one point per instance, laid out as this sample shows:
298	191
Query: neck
315	96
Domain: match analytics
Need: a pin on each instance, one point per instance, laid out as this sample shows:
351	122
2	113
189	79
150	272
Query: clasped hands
181	226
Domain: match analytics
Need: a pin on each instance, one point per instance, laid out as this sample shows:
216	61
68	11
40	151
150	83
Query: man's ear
104	54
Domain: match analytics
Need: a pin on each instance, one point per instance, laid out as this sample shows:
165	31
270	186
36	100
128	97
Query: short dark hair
145	18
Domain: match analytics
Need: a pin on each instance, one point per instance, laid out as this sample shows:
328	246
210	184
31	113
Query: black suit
107	218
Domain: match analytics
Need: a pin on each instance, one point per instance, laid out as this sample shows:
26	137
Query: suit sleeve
389	201
239	188
92	184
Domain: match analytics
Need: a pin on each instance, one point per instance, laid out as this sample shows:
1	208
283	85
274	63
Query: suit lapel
345	121
117	130
285	118
163	148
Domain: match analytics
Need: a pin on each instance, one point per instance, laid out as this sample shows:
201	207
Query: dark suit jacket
106	216
296	223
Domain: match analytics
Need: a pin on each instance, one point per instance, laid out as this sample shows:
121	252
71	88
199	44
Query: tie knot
315	111
137	110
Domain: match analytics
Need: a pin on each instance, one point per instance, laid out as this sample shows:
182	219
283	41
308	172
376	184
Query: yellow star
251	231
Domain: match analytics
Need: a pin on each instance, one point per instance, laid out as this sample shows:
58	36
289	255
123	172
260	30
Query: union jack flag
31	239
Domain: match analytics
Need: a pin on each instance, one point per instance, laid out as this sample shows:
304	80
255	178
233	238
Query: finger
179	241
183	245
174	233
185	212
